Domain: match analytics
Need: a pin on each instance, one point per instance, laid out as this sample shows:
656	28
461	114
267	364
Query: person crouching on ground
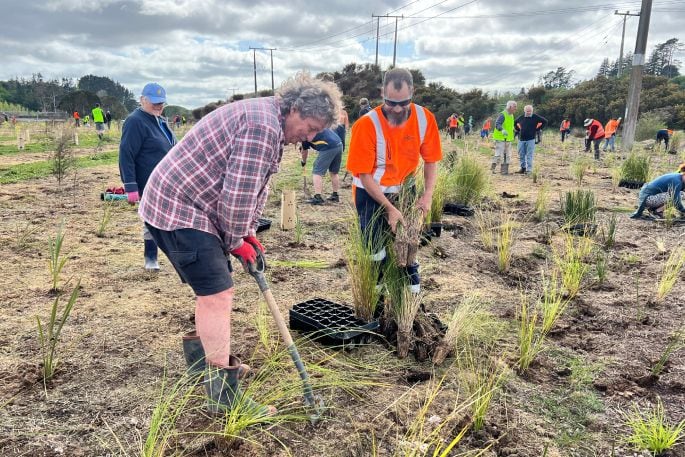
204	201
654	195
528	125
330	148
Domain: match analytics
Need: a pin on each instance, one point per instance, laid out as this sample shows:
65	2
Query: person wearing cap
655	194
610	134
364	106
504	136
594	133
204	200
145	140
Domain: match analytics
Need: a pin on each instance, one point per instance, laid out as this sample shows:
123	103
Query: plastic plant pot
630	184
263	224
436	229
330	323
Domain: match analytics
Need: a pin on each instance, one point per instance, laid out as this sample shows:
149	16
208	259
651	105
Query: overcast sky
199	49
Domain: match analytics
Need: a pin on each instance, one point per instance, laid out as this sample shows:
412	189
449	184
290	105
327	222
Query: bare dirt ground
123	338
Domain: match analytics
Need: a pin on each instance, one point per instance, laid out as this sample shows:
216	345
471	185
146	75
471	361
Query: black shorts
198	257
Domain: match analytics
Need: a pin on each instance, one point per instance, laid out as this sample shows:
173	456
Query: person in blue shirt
654	195
145	140
329	146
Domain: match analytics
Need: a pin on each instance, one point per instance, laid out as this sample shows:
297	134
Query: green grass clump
650	431
364	271
542	203
670	272
468	181
579	207
636	167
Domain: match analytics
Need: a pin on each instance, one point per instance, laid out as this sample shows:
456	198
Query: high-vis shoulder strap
381	145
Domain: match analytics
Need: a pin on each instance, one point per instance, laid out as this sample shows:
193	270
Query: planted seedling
670	272
676	342
650	431
56	261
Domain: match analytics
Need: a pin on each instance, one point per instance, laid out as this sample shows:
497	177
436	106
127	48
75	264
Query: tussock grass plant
650	431
404	304
308	264
670	211
299	230
505	241
406	243
468	181
535	174
104	219
571	263
615	178
579	207
460	328
486	222
579	168
56	260
608	232
49	334
542	203
267	338
23	235
636	167
363	270
674	144
601	267
530	339
552	303
676	342
670	272
439	195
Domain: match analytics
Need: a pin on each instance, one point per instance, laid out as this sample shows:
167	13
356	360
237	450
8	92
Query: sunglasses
393	103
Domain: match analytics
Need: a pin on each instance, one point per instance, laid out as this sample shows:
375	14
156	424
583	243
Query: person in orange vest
77	119
485	131
610	134
565	128
386	147
454	123
594	133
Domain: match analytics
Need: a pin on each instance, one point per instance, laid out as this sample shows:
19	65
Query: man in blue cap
145	140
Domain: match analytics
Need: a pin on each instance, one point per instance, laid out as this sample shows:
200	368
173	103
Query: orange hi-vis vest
610	128
565	125
388	153
454	122
487	125
599	133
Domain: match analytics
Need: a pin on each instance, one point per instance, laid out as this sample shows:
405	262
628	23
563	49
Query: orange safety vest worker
390	153
565	125
610	128
487	125
599	132
454	122
76	116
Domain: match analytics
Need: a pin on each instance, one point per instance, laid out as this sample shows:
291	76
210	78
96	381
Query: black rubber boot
194	354
224	394
151	263
334	197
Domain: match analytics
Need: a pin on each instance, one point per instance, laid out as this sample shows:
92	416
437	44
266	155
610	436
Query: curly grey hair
311	97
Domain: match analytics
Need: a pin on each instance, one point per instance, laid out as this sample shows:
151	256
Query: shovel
257	271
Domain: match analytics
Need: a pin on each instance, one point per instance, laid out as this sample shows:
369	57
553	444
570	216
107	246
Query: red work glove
133	197
255	243
245	253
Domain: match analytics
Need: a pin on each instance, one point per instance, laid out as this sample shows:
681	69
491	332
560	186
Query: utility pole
623	36
633	103
254	51
378	35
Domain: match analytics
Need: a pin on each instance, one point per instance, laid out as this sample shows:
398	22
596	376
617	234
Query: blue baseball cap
154	92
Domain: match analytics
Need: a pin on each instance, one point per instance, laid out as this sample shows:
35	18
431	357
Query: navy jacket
323	141
527	126
144	142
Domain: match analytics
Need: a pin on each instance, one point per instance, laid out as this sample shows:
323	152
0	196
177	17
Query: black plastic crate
331	323
630	184
263	224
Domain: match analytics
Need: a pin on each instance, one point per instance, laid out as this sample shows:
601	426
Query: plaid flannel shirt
216	178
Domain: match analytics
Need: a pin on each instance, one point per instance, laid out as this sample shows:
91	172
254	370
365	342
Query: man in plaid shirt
203	202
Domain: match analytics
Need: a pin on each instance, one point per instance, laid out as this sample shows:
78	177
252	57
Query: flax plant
670	272
505	241
363	270
49	334
542	203
56	261
650	431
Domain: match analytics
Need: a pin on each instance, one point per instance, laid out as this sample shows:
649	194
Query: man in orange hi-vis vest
385	149
485	131
454	123
610	134
565	128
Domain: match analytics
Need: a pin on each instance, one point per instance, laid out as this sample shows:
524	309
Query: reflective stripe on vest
381	145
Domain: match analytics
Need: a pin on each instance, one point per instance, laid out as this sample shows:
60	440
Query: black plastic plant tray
263	224
630	184
458	209
331	323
